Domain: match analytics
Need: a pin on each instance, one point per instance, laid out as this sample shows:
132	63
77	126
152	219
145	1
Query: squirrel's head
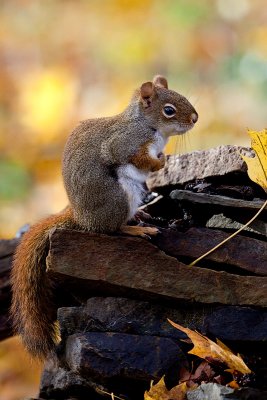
166	110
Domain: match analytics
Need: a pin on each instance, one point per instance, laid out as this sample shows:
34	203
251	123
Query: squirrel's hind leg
143	231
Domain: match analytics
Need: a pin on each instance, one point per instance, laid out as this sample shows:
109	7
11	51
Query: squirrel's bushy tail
32	308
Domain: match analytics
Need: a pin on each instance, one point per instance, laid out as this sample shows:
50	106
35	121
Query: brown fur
32	308
143	231
142	160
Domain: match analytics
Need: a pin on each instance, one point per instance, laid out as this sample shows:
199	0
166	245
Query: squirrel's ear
147	92
160	81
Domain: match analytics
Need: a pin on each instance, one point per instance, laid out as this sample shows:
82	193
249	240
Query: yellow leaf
207	349
160	392
157	392
222	345
178	392
233	385
257	166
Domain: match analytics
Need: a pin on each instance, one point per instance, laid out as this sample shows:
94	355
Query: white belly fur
132	179
157	146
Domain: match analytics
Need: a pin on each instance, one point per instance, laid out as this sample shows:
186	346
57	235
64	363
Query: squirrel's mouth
174	129
178	129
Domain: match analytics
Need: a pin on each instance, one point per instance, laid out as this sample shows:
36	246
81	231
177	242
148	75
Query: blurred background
66	60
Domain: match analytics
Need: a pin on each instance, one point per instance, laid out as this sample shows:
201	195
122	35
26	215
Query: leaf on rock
209	350
178	392
160	392
257	166
157	392
233	385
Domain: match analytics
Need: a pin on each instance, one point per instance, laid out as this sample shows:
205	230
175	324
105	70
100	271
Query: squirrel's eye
169	111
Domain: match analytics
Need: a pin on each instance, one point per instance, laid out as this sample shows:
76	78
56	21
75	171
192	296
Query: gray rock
58	383
217	161
209	391
222	222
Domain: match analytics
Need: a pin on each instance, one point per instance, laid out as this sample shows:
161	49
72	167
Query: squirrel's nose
193	117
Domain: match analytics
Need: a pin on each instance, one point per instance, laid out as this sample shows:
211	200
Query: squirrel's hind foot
143	231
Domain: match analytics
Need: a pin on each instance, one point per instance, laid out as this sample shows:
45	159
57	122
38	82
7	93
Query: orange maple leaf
207	349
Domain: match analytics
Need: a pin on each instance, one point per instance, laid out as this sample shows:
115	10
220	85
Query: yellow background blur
66	60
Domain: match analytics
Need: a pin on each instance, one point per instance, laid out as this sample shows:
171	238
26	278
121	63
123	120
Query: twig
229	237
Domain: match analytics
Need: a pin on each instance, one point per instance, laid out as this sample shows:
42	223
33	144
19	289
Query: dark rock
246	253
247	394
237	323
130	316
5	324
7	247
238	191
210	199
123	315
163	207
109	355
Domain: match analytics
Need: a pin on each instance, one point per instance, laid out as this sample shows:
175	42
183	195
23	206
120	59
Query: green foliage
186	12
14	181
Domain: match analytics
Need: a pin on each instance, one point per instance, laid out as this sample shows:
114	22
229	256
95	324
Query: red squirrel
105	164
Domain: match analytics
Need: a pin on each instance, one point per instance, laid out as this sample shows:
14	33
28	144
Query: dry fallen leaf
257	166
204	372
233	385
160	392
208	350
178	392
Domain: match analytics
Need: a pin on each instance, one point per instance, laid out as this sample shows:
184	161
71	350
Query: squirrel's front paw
162	159
160	162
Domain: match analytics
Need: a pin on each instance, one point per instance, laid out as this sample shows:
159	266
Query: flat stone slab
122	315
217	161
210	199
246	253
109	355
133	267
220	221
